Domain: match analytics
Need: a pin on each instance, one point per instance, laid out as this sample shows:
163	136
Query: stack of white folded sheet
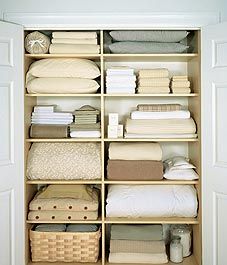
179	168
74	42
160	121
180	84
47	115
86	123
153	81
120	80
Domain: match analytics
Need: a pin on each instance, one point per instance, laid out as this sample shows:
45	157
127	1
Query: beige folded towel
159	107
74	34
153	90
180	78
181	90
169	126
75	41
180	84
159	72
153	82
136	246
74	48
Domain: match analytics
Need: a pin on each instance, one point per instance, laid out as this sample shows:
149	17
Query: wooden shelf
152	95
99	262
151	140
63	95
59	182
63	55
151	220
152	182
65	140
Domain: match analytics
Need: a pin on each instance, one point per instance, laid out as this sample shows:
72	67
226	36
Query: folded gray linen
81	228
50	228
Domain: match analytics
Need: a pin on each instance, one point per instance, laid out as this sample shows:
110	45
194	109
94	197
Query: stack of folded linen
148	41
179	168
160	121
135	161
66	228
180	84
137	244
74	42
86	123
45	115
65	202
120	80
62	76
153	81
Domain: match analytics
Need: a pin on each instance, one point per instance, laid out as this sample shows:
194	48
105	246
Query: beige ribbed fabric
180	78
170	126
180	84
74	48
75	41
158	107
181	90
153	82
74	34
135	151
136	246
159	72
153	90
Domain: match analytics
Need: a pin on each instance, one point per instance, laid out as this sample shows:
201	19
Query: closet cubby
178	64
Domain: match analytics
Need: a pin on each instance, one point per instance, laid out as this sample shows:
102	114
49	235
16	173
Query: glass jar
184	232
176	250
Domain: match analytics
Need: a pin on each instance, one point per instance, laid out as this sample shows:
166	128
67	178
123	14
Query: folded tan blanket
139	258
153	82
180	84
85	127
75	34
158	107
48	131
153	73
134	170
74	48
135	151
74	41
136	246
62	215
153	90
178	126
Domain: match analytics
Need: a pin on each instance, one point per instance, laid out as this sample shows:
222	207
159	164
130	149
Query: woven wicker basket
64	246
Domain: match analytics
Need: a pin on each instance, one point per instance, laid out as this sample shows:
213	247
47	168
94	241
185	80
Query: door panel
11	145
214	143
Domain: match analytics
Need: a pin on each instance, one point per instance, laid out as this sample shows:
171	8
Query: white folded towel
85	134
148	115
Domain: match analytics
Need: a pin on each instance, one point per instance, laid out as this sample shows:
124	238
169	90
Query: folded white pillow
178	162
135	201
181	174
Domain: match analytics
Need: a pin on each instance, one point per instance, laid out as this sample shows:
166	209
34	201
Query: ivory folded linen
51	121
73	48
120	90
181	174
135	151
74	41
137	246
139	258
135	201
181	90
48	131
85	134
179	78
180	84
153	82
61	85
153	73
137	232
62	215
120	78
178	162
167	126
158	107
120	70
148	115
113	85
160	135
134	170
153	90
75	34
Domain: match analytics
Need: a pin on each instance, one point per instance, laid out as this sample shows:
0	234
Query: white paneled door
11	145
214	143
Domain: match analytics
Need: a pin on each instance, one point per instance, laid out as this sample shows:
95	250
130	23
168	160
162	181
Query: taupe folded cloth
154	73
136	246
137	232
158	107
48	131
134	170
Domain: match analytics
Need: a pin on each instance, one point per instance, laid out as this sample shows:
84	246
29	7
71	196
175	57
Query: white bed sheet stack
47	115
153	81
180	84
74	42
120	80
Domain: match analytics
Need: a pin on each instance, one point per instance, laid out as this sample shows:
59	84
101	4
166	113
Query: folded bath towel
74	41
153	73
75	34
158	107
74	48
160	115
48	131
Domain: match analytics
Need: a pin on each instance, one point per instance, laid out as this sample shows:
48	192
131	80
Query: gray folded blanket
82	228
51	228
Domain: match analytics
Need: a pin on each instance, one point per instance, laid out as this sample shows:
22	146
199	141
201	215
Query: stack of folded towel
137	244
86	123
180	84
148	41
66	228
179	168
74	42
153	81
64	202
119	80
135	161
160	121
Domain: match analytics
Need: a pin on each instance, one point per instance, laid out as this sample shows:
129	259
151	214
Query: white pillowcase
135	201
178	162
181	174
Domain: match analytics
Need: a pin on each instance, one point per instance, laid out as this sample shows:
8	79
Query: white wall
111	5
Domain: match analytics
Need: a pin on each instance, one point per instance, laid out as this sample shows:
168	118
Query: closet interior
179	64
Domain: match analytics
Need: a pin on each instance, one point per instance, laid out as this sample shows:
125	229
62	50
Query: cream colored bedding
73	48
